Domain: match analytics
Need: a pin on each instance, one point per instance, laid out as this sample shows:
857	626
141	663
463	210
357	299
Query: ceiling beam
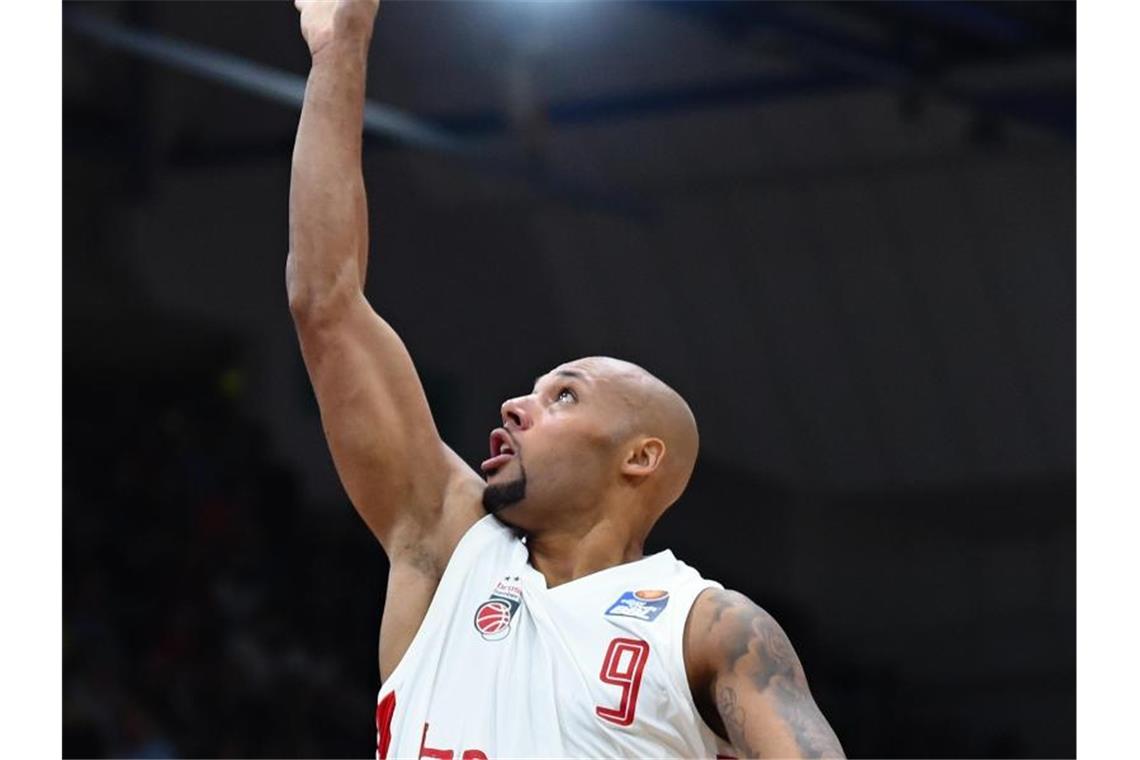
381	121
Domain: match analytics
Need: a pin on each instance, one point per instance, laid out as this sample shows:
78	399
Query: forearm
328	215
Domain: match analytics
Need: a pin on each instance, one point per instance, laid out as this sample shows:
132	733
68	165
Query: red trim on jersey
384	712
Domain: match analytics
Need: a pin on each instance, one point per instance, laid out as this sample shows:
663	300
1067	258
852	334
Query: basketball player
521	619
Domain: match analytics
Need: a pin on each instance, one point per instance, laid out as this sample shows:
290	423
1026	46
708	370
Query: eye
566	392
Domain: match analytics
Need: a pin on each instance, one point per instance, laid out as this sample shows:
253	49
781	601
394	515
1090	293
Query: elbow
299	296
311	300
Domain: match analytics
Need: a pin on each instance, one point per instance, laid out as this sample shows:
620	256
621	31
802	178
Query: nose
515	414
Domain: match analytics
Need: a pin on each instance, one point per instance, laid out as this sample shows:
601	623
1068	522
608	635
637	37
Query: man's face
556	443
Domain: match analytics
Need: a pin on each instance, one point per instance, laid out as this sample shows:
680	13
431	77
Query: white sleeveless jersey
504	667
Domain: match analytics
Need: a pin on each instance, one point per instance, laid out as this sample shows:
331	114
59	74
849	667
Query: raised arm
414	493
748	682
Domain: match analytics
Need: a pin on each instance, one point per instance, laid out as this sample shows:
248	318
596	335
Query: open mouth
502	451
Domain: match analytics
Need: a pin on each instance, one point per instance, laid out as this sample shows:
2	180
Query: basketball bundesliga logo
493	617
645	604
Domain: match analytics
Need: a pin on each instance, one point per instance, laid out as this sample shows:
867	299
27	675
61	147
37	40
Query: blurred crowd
207	612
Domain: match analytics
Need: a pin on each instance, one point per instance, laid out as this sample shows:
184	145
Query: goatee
496	496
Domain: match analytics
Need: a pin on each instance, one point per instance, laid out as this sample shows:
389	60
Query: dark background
844	231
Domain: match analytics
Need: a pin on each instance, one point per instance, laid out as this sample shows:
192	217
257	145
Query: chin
503	494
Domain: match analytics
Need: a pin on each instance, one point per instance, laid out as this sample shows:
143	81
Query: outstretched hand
325	20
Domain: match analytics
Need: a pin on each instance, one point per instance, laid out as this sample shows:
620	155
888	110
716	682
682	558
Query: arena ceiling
845	231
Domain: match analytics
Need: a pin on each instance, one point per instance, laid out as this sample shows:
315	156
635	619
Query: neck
563	555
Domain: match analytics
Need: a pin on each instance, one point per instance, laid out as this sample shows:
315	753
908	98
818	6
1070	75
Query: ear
645	457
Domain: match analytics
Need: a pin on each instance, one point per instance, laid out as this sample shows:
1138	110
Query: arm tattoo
733	716
757	651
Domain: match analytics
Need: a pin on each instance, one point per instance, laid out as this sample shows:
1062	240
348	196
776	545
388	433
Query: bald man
521	617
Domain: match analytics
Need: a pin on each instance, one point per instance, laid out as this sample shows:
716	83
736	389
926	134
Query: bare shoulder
724	625
418	563
724	628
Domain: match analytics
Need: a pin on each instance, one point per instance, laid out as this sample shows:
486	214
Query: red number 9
623	666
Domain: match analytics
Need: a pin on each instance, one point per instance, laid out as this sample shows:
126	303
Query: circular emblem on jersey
650	595
493	620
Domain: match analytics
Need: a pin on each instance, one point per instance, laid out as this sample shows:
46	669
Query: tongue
495	462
